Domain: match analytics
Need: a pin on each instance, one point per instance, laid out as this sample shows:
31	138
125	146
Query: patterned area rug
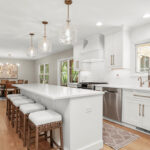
117	138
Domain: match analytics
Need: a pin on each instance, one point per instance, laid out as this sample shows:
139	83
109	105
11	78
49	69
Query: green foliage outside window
64	73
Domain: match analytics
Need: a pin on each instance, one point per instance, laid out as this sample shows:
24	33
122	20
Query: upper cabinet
117	48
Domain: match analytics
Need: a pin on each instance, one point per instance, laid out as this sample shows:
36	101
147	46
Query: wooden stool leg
24	130
45	135
12	116
61	139
51	137
17	120
37	138
28	139
19	125
7	107
9	110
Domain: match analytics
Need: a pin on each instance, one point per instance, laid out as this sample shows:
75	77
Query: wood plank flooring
9	140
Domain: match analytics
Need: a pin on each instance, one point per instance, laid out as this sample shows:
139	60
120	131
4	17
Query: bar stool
24	112
15	108
10	102
44	121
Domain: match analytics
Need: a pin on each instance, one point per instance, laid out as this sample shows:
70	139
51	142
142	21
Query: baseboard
93	146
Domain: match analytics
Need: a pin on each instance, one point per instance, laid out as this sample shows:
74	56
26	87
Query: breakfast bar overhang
81	111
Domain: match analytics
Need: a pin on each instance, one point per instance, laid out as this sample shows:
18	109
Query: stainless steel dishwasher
112	104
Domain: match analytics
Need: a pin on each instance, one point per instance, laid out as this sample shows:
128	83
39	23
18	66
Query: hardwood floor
9	140
142	143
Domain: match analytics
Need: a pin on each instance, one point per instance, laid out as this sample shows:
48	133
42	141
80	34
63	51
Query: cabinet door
109	50
146	115
118	50
132	112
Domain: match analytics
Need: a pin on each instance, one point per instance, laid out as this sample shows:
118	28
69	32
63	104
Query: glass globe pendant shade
68	34
44	45
31	52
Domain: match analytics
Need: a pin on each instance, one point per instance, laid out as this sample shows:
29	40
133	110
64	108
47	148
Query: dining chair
9	89
26	82
20	81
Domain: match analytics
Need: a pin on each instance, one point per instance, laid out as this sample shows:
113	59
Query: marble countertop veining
55	92
131	87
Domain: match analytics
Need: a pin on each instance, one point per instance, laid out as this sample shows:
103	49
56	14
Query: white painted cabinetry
77	48
117	47
136	108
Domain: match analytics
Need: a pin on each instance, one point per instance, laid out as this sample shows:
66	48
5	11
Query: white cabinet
117	47
136	108
77	55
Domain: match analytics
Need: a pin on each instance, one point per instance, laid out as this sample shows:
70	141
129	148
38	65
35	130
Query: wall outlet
88	109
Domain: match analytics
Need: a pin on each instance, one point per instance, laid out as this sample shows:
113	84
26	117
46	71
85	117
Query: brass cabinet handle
142	96
139	109
111	60
143	110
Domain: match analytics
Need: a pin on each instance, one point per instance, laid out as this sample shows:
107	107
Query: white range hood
93	49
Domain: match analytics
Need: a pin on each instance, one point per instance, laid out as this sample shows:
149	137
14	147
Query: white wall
26	69
52	61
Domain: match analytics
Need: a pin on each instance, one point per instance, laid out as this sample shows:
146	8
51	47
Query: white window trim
43	73
134	57
59	71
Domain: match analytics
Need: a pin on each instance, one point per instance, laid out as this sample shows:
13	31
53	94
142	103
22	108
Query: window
44	73
142	57
67	72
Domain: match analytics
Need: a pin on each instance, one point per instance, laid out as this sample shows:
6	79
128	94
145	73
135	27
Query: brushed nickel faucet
141	81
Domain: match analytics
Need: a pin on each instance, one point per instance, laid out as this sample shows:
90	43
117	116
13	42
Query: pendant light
44	44
31	51
68	32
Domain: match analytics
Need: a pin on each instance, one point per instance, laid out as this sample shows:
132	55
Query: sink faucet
141	81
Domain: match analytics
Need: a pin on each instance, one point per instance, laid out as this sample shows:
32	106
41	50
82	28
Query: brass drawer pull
139	109
143	111
142	96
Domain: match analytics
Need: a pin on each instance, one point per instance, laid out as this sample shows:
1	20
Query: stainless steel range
89	85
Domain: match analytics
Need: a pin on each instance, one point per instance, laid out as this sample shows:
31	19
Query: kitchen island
81	111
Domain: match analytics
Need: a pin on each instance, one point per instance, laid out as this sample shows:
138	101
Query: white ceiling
19	17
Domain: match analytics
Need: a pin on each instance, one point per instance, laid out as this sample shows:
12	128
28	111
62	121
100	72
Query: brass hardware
142	96
111	59
141	81
31	34
68	2
44	22
139	109
143	110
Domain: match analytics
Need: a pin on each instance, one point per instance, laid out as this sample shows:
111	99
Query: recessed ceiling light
99	24
146	16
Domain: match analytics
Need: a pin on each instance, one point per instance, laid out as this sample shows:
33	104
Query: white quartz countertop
55	92
131	87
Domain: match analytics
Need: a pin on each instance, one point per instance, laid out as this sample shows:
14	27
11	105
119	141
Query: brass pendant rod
45	23
44	30
68	15
31	34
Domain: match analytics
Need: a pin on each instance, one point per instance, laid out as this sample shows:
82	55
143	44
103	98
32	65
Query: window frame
59	70
44	73
136	57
